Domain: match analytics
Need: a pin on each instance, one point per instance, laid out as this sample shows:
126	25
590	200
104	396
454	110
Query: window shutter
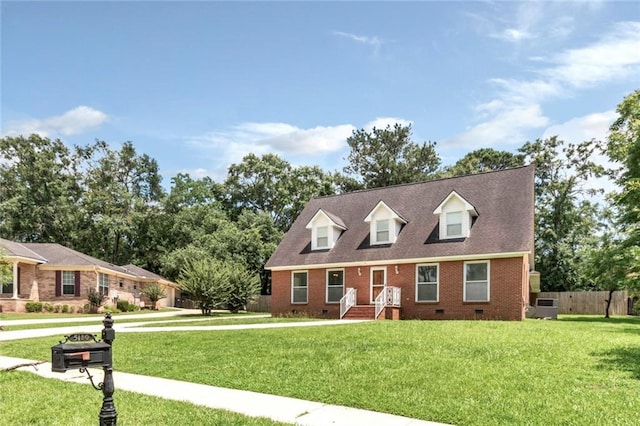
76	291
18	279
58	283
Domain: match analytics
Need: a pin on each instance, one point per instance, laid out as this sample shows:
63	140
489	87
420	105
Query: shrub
56	308
48	307
125	306
65	309
95	300
154	292
33	306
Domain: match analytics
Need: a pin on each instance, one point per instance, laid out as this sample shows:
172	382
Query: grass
27	399
49	315
231	321
574	371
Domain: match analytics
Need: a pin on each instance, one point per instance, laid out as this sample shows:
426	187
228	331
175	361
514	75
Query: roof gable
392	212
454	195
336	221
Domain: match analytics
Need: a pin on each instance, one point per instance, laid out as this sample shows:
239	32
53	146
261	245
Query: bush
56	308
125	306
33	306
65	309
95	300
48	307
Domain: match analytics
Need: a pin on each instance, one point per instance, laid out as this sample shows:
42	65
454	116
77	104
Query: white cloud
76	121
383	122
615	56
231	145
517	105
507	126
374	41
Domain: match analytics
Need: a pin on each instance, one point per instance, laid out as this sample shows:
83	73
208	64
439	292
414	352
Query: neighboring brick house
456	248
61	276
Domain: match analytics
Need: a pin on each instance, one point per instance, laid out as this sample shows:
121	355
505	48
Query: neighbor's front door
378	282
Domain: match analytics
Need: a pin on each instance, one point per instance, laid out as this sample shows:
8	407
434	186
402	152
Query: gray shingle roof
59	255
503	199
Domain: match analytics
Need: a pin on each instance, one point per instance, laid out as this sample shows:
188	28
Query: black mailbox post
83	350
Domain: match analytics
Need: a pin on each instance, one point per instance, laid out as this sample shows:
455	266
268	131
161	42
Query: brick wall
508	289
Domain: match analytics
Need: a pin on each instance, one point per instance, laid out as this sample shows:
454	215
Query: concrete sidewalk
279	408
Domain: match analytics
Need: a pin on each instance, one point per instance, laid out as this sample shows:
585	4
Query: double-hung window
322	237
68	283
427	283
335	285
299	287
103	284
476	281
454	224
382	231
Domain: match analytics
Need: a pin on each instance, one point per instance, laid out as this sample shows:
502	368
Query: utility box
547	308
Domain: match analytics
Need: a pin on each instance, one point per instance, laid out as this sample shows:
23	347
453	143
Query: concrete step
360	312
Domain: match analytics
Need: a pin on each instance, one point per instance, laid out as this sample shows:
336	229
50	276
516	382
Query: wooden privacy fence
260	304
588	302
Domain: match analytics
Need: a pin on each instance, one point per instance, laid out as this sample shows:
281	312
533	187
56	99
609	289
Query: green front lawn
574	371
27	399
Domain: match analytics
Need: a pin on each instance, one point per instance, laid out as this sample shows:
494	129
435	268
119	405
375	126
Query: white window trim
326	298
464	285
102	276
62	283
437	265
371	271
293	273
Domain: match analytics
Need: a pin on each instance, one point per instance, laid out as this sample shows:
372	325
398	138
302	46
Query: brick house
59	275
456	248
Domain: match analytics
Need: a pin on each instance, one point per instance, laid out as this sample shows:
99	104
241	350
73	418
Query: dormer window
322	237
325	230
456	216
385	224
382	231
454	224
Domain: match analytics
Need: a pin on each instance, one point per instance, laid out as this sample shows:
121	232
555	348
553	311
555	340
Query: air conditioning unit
547	308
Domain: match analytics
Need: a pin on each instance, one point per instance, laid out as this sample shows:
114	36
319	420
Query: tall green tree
484	160
123	189
623	149
388	156
270	185
39	190
567	219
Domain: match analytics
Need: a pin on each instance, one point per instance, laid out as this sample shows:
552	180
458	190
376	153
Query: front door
378	282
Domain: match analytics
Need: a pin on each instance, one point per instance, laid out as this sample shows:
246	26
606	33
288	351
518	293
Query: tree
6	272
214	283
624	150
122	190
386	157
484	160
154	292
39	190
566	217
270	185
613	267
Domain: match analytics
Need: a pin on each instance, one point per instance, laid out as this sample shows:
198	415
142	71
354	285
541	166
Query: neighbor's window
335	285
103	284
427	283
322	237
454	224
299	287
382	231
476	281
68	283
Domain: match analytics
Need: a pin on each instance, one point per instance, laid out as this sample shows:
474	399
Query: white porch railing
348	301
389	296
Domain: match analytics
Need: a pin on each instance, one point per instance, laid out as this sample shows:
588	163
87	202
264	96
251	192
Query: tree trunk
606	312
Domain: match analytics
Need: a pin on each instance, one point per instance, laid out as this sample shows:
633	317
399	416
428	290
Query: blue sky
197	85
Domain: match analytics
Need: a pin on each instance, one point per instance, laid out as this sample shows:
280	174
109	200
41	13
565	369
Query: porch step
360	312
